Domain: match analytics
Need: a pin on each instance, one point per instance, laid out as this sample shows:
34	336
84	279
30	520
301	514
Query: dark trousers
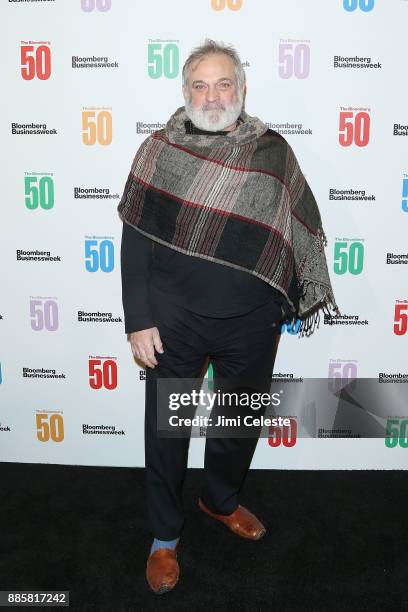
242	346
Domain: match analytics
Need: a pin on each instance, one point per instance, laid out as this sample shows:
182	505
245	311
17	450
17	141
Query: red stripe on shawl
220	163
219	212
239	169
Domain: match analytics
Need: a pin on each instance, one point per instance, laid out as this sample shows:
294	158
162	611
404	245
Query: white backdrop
340	120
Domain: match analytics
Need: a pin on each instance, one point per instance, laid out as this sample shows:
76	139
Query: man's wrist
135	326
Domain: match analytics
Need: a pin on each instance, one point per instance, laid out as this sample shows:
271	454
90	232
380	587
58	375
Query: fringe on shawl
311	321
322	236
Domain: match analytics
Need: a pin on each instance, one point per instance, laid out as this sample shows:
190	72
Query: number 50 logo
39	192
283	435
396	433
400	319
219	5
162	60
99	255
103	373
96	127
348	257
294	60
49	427
363	5
354	129
404	204
90	5
44	314
35	63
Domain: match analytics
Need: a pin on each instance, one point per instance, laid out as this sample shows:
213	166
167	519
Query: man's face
212	100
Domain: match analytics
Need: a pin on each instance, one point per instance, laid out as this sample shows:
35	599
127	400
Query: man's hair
212	47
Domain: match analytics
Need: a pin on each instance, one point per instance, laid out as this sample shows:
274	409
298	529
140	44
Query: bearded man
222	242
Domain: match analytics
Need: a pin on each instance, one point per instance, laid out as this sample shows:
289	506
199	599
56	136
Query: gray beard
204	119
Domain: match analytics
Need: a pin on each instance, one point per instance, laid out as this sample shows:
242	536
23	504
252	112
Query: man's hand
143	343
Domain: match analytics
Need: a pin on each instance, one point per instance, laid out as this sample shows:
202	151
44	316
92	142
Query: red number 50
354	130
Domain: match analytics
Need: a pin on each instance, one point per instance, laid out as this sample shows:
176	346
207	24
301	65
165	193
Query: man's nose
212	93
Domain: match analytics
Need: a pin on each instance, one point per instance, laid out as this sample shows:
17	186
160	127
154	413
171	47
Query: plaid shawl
238	199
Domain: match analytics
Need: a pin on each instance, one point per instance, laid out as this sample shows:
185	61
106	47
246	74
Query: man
222	241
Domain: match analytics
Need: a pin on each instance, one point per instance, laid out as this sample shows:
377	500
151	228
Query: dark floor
337	540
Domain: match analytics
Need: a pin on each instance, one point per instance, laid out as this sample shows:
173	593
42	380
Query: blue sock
163	544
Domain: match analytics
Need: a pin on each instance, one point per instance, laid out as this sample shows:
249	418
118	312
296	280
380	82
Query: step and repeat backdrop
83	83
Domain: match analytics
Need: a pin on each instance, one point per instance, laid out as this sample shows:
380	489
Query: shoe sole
164	589
261	535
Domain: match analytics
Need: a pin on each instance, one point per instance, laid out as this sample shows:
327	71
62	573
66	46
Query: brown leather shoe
162	570
241	521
